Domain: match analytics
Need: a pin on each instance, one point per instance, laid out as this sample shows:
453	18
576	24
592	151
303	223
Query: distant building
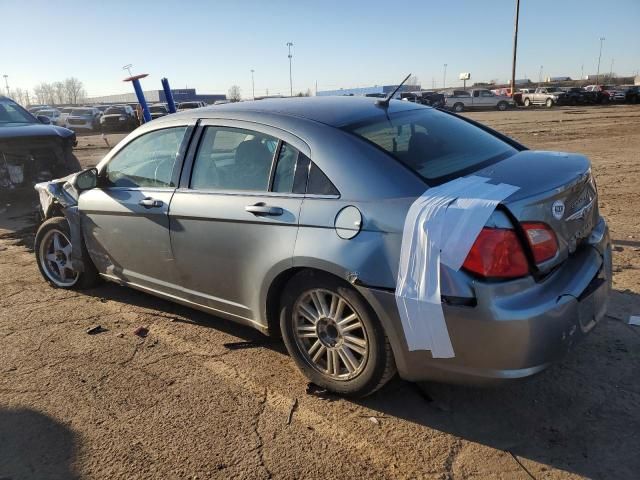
158	96
557	79
375	90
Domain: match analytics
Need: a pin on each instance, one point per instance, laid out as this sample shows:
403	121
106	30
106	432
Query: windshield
157	109
47	113
81	113
553	89
189	105
11	112
433	144
114	111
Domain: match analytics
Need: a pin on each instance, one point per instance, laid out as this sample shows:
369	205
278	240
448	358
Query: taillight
542	240
497	253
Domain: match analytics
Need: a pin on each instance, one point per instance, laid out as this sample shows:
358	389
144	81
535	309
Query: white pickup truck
462	100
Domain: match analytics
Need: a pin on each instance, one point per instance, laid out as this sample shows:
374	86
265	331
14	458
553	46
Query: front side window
233	159
433	144
148	161
11	112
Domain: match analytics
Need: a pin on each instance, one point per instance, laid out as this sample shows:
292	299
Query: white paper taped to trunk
441	226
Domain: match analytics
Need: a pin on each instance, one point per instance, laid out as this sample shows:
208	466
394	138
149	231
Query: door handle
262	209
150	203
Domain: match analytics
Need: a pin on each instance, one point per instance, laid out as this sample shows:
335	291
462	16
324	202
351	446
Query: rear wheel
333	336
458	107
53	254
502	106
527	102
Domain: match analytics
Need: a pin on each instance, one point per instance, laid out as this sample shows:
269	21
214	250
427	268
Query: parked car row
589	95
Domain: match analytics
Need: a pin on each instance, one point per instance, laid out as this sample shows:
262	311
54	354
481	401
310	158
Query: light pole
515	49
444	77
599	57
289	45
6	83
253	86
540	74
127	67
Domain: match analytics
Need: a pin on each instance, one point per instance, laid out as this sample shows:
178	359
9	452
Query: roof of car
334	111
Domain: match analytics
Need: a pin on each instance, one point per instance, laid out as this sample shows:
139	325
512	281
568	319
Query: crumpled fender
63	192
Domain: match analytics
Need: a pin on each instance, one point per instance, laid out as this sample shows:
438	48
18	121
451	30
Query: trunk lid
555	188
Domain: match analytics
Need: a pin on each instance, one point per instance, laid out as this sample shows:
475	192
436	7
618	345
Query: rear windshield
81	112
435	145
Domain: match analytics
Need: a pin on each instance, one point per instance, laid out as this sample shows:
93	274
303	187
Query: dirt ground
201	397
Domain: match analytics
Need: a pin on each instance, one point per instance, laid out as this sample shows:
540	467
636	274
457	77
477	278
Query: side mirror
87	179
44	119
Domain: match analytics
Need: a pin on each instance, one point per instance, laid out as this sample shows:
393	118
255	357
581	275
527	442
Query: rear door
125	220
234	219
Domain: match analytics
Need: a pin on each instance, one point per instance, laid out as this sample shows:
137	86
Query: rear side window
435	145
285	169
233	159
319	183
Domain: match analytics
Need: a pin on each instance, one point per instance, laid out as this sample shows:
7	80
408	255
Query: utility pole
253	86
582	71
316	88
289	45
515	48
6	83
602	39
444	77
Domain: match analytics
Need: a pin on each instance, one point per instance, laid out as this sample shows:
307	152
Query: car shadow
34	445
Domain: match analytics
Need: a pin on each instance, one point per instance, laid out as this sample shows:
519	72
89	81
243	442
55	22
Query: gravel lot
201	397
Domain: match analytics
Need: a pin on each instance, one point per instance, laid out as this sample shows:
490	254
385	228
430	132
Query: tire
527	102
61	276
458	107
549	103
502	106
354	362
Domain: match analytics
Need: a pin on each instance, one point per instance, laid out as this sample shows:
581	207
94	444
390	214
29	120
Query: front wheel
549	103
53	254
333	335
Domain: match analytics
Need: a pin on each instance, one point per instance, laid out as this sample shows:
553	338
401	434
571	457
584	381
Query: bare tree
39	94
18	95
304	94
74	90
60	92
234	94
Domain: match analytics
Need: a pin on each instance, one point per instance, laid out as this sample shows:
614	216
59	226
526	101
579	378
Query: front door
125	220
235	222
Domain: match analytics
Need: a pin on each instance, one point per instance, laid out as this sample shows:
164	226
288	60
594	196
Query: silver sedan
288	215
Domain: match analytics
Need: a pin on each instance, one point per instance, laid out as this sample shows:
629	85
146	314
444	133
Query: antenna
385	103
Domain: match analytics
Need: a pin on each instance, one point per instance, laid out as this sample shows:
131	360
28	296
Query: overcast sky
211	45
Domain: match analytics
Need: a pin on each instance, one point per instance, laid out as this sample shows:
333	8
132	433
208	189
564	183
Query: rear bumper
517	328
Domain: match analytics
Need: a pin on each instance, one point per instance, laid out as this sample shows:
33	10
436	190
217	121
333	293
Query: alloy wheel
330	334
55	259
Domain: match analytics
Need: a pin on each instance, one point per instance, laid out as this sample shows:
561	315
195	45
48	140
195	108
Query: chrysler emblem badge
557	209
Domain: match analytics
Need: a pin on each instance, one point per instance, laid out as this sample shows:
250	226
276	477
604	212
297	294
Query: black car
32	150
431	99
632	94
575	96
118	117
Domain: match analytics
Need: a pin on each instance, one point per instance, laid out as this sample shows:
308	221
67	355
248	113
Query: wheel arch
273	290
